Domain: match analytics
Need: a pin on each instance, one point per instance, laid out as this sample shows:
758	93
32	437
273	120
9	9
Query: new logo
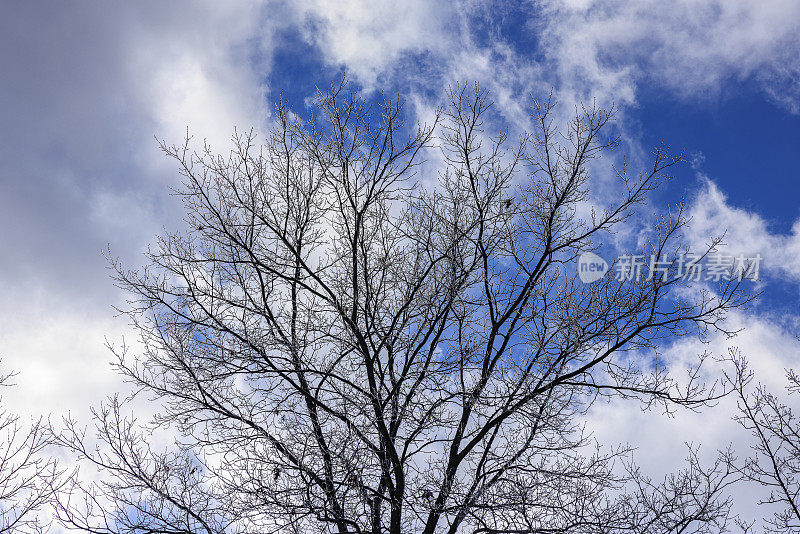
591	267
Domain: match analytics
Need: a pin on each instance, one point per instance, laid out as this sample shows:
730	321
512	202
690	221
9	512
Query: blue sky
85	88
748	144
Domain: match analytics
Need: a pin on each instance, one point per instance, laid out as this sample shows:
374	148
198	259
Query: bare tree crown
346	346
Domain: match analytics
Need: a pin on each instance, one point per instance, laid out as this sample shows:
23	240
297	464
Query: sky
86	88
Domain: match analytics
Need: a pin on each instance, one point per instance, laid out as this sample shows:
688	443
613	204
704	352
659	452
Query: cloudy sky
87	87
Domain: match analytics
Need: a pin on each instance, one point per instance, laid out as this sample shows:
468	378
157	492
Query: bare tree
28	475
775	462
344	343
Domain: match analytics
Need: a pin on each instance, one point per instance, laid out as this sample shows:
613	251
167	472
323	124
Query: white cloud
660	439
369	38
421	47
206	72
694	48
744	232
57	348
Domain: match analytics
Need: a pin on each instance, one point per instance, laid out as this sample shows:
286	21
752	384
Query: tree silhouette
347	341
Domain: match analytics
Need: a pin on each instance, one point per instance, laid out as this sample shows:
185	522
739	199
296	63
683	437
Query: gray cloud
90	87
85	89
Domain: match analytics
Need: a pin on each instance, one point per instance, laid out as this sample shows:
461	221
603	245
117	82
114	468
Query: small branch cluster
29	476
